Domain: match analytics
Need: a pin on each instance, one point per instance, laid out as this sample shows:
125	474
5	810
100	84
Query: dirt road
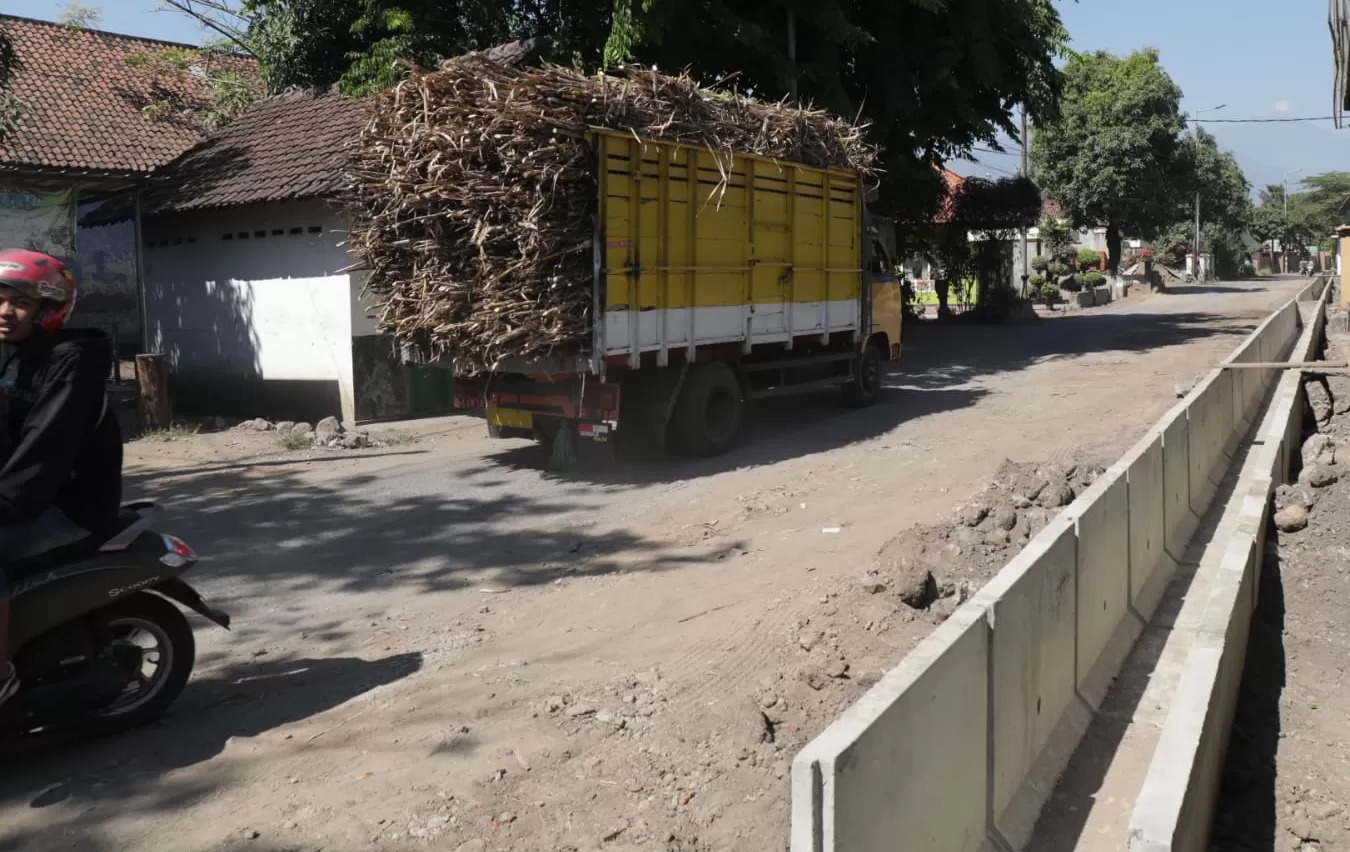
438	645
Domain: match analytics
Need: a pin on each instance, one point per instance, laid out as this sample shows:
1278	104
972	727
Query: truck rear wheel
711	409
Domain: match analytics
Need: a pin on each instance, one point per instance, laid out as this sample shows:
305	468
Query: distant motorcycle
97	642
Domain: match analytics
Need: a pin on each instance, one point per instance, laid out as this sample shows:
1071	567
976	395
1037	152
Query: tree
933	77
1113	158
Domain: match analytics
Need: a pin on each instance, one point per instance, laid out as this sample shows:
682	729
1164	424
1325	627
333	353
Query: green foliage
1173	244
1037	281
77	16
1113	157
1040	262
1089	259
934	77
1092	279
228	92
1001	205
12	107
1055	237
1072	284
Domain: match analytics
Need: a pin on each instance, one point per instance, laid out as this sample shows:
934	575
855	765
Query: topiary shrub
1036	281
1071	284
1040	262
1089	259
1093	279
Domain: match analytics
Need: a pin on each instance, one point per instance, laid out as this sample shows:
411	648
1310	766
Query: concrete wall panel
1032	605
909	759
1150	567
1179	521
1103	516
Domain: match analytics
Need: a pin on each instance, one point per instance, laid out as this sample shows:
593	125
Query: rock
1020	501
301	428
1180	391
285	426
837	668
1319	399
1319	449
809	640
1056	495
1301	827
328	429
1005	518
1318	476
997	538
1289	843
871	585
917	588
972	515
967	537
814	678
1291	519
555	703
355	441
943	609
1295	495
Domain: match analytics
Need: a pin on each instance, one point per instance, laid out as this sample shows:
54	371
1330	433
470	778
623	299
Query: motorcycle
95	634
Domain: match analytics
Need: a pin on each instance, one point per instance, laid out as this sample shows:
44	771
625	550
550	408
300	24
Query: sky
1261	59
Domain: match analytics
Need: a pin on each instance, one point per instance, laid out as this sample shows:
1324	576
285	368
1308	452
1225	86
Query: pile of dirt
938	567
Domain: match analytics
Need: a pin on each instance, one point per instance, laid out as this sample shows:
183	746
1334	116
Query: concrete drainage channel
961	746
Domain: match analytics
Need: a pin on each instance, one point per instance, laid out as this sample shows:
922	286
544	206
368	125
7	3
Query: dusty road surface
439	645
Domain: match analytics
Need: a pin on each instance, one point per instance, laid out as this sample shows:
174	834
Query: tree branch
237	37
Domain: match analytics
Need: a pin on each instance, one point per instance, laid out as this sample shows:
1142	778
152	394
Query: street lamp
1195	134
1284	242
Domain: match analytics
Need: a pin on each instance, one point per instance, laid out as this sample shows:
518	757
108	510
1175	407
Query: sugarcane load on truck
621	255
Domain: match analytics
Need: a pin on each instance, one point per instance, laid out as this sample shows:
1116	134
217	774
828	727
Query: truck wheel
865	387
709	414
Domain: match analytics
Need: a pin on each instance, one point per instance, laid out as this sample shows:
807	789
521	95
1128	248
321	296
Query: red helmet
40	276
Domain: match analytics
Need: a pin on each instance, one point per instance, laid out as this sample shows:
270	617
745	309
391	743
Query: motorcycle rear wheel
169	659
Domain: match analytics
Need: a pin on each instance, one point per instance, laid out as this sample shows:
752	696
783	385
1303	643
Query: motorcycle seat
16	572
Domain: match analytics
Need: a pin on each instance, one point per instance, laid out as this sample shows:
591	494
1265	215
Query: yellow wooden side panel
685	227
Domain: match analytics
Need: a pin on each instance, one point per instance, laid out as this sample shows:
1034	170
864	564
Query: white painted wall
256	292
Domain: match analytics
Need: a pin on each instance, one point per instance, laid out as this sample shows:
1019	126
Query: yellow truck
718	280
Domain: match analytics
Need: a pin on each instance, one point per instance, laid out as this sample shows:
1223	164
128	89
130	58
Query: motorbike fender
178	591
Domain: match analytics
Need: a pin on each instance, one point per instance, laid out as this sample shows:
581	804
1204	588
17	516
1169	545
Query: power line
1259	120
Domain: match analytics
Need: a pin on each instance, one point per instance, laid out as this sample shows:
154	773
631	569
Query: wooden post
152	374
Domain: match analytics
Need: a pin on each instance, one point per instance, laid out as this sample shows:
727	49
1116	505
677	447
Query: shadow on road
943	368
240	701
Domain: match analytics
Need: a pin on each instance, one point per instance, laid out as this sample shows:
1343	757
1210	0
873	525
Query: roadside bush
1071	285
1093	279
1036	281
1089	259
1040	262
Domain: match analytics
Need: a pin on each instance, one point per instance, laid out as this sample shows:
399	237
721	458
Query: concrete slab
1208	438
1151	567
1179	521
909	759
1032	604
1103	518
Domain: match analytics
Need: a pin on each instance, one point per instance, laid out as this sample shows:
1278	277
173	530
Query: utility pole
1195	135
1026	173
1284	238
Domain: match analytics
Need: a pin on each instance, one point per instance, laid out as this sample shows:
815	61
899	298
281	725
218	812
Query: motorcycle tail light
178	554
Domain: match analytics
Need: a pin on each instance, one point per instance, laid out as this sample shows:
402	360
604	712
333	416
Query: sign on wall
38	221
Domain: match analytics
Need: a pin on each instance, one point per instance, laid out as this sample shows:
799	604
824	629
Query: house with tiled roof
88	130
248	289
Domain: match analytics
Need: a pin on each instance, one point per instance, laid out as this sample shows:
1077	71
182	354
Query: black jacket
61	445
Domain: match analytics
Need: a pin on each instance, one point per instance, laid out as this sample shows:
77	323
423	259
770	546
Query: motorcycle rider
60	446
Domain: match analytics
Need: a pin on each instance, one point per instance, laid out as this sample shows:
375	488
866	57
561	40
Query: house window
316	229
297	230
276	232
260	234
